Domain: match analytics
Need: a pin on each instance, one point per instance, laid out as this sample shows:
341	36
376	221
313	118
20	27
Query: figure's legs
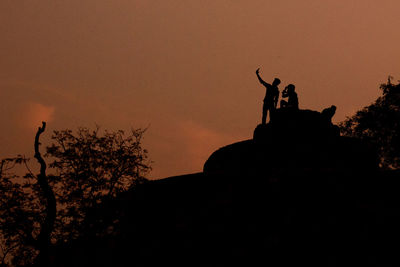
271	114
264	114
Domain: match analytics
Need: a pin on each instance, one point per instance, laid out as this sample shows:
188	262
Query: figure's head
276	82
290	88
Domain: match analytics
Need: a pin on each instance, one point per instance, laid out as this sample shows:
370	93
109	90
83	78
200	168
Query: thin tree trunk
43	239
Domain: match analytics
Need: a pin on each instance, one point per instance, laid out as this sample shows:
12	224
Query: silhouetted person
271	97
293	101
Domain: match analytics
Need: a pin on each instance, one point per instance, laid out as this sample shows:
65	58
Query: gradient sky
185	68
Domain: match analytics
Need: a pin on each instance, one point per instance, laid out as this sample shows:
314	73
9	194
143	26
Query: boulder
294	139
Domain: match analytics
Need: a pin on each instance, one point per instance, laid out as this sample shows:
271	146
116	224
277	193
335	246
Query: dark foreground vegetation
87	167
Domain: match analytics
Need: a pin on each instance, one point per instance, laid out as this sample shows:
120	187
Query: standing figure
293	101
271	97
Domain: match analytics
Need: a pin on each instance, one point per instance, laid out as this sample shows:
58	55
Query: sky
185	69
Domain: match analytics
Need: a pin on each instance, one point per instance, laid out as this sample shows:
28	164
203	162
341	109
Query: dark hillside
296	194
217	220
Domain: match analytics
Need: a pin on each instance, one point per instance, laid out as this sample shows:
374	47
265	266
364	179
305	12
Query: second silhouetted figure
271	97
293	101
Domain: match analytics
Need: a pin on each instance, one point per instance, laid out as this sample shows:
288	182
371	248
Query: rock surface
294	139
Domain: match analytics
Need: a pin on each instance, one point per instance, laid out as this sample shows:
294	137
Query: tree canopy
86	168
91	167
379	123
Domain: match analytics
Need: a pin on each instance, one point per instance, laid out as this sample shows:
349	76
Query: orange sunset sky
185	68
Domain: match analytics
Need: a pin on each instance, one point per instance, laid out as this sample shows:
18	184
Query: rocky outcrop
295	139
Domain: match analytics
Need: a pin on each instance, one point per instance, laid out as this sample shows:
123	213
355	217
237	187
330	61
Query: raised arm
259	78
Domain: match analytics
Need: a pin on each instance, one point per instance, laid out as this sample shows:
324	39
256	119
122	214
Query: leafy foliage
87	167
380	124
21	213
90	168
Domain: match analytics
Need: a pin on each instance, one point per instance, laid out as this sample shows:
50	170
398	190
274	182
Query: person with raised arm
271	97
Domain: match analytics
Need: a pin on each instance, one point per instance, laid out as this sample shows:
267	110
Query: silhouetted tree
87	168
20	212
380	124
28	210
90	168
